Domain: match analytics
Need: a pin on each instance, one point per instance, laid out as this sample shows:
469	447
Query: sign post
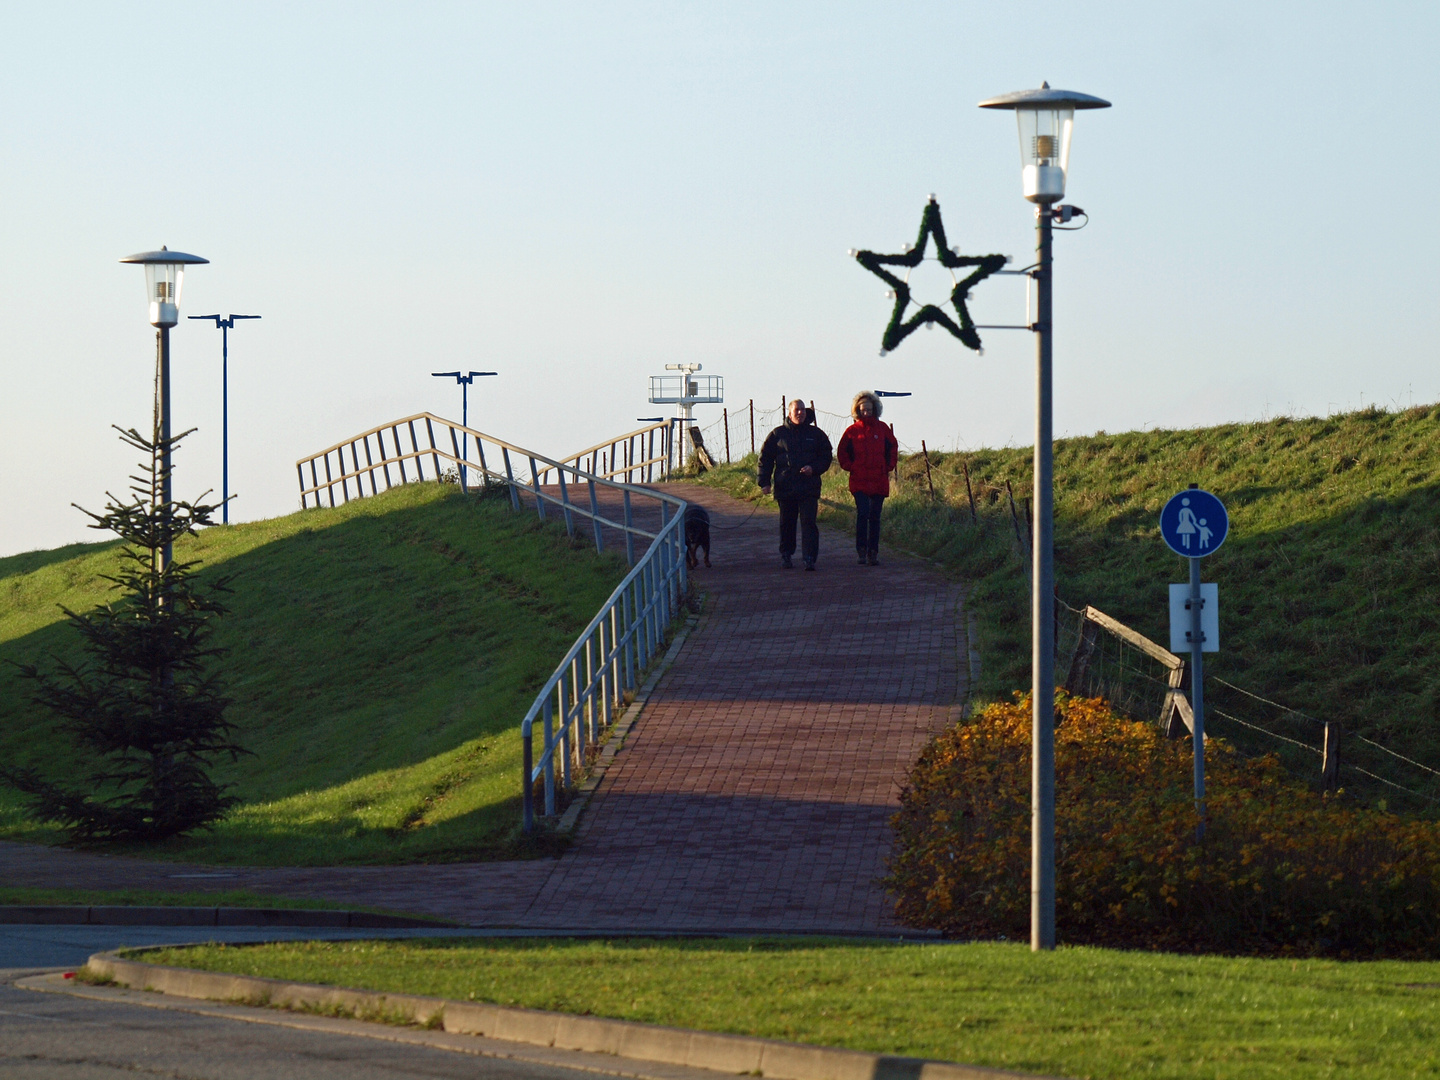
1194	524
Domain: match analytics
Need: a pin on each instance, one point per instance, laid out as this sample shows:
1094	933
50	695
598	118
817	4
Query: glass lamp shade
163	282
1044	152
164	275
1046	118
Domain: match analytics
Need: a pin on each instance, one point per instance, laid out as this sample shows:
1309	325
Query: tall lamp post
1046	118
225	325
464	380
164	277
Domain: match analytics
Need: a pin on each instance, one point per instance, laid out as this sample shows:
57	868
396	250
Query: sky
576	194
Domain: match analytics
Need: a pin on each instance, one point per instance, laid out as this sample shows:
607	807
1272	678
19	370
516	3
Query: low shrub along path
754	793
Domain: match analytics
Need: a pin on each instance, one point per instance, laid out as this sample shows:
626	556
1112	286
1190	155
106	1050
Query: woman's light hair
865	395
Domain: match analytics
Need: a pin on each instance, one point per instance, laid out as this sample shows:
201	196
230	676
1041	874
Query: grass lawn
1075	1012
1329	581
382	654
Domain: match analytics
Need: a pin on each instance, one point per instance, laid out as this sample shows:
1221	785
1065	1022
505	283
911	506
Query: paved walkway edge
116	915
621	1038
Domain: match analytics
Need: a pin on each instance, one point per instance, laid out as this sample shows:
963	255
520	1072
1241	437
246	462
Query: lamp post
1046	119
164	277
464	380
225	325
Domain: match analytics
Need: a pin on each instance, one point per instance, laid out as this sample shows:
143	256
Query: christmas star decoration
962	327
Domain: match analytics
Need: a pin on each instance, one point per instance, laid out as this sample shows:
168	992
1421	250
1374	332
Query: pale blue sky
577	194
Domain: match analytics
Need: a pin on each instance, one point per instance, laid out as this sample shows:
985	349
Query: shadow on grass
380	659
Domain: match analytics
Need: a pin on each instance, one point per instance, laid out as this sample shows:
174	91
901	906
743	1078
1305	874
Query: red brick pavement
754	792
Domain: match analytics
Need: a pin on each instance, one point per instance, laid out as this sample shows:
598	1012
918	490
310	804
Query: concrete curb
615	741
621	1038
115	915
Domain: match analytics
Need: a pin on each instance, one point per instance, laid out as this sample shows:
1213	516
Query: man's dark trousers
803	508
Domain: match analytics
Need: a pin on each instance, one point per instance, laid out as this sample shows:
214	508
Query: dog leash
726	528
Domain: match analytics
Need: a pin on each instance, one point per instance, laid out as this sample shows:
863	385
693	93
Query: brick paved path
754	792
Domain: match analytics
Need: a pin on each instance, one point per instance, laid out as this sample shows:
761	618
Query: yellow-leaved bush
1281	867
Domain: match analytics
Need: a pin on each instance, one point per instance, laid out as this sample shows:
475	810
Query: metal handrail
577	703
645	464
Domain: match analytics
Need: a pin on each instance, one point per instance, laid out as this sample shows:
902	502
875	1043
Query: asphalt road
100	1033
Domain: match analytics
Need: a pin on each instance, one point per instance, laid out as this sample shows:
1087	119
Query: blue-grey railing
577	704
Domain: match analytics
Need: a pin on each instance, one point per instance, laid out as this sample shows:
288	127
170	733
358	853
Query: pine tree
143	703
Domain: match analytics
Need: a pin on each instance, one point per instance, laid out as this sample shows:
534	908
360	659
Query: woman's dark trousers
867	522
804	509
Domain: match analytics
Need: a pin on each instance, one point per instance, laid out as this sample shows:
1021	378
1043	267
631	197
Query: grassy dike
1075	1012
1329	581
382	654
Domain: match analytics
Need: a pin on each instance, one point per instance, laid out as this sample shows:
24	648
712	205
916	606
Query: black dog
697	535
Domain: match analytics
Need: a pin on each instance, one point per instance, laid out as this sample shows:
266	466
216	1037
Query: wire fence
741	431
1130	678
1137	685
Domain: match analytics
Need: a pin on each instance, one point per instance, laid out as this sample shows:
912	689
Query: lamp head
164	277
1046	119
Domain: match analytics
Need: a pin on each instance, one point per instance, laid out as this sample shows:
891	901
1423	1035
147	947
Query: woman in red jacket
867	452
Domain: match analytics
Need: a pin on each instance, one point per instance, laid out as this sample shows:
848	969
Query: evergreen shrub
1282	868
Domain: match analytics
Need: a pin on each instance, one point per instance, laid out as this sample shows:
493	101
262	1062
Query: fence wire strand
1136	685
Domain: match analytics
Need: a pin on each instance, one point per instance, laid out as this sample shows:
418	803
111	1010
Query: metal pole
527	794
1197	694
162	345
1042	619
464	423
225	422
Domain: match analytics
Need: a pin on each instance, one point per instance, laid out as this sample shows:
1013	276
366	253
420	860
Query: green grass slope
382	656
1329	581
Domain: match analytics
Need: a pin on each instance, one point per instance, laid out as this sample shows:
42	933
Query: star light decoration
901	328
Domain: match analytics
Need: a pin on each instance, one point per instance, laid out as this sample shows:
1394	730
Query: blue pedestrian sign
1194	523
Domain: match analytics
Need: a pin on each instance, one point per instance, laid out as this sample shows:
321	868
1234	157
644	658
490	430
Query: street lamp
1046	120
464	381
225	325
164	276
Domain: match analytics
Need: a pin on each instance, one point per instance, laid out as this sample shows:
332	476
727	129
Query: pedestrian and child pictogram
1194	523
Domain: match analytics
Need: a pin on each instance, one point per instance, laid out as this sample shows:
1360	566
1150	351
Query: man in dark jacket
795	455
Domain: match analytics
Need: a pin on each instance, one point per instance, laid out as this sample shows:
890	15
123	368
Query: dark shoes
874	558
861	557
785	562
809	564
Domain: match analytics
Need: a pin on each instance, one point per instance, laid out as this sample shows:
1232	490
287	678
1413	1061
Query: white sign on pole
1180	618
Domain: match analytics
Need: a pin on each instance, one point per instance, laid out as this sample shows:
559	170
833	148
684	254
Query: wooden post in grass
969	494
1080	661
1330	763
925	451
725	415
1014	517
752	425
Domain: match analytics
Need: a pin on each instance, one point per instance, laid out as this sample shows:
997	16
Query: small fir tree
143	703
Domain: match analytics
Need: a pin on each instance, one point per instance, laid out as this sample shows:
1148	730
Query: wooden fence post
1014	517
1080	661
752	425
725	415
928	480
969	494
1330	763
1171	723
